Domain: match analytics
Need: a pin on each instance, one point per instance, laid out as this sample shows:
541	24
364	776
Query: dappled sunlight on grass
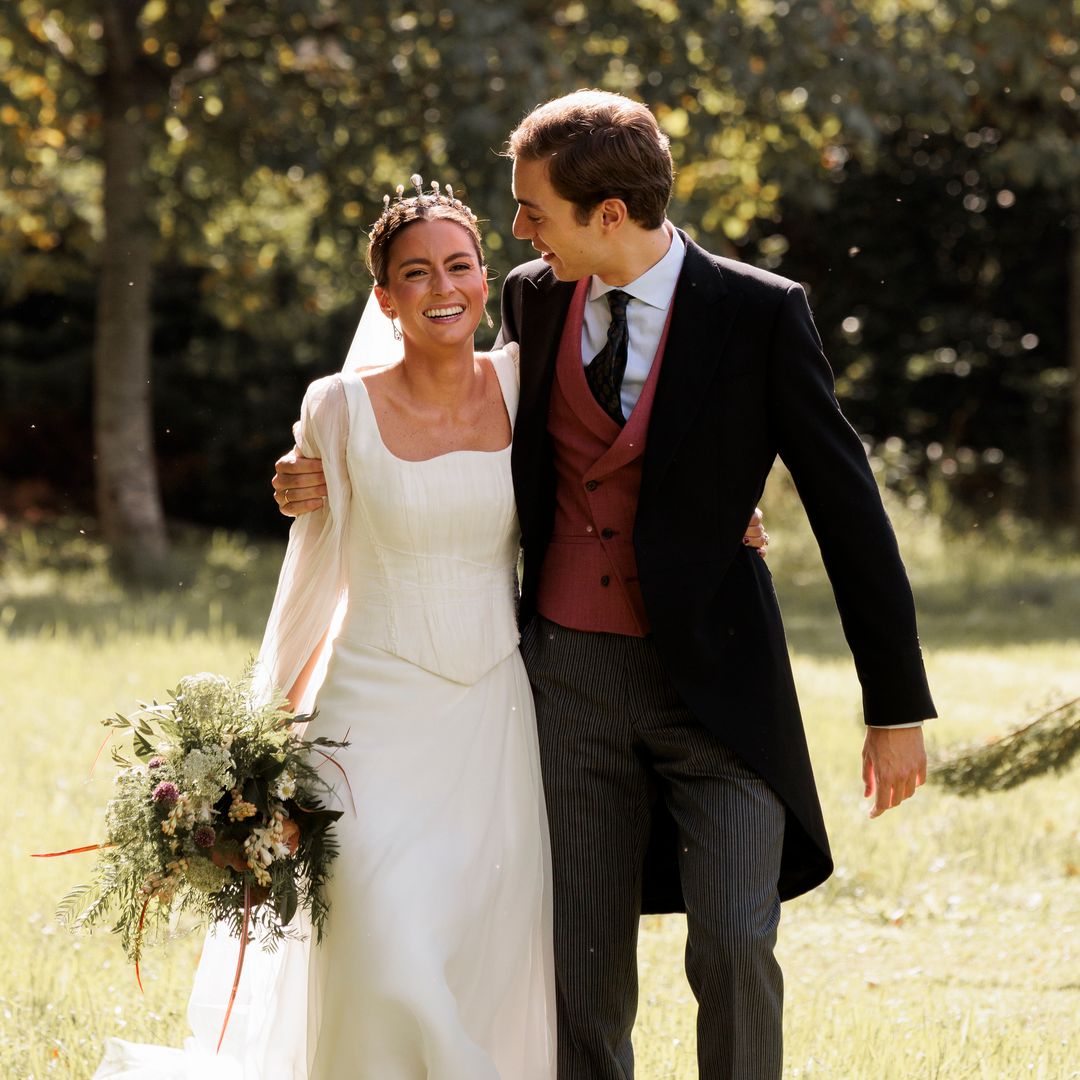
992	586
945	946
58	578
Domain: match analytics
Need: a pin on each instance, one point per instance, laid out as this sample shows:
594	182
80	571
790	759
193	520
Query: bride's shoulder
507	354
504	362
326	399
325	389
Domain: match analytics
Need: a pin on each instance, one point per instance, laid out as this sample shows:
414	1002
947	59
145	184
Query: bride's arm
298	689
312	584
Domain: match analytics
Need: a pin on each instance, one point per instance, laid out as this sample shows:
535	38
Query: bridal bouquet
216	813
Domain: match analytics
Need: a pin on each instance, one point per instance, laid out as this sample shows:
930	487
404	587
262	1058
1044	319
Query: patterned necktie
604	373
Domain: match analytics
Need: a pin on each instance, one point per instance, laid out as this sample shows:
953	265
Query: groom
658	385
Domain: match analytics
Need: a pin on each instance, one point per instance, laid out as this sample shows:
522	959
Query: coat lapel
703	310
545	302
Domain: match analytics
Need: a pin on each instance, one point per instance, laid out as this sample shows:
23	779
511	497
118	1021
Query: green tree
72	78
198	129
251	143
1014	71
248	140
774	105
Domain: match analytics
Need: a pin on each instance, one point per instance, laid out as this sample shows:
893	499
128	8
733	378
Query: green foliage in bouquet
216	812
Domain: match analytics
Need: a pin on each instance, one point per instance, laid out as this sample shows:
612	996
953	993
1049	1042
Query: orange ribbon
239	964
70	851
138	941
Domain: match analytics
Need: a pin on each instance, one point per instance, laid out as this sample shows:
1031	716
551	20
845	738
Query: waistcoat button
591	485
605	580
607	534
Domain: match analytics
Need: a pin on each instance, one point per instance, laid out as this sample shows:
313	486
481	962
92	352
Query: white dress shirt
646	313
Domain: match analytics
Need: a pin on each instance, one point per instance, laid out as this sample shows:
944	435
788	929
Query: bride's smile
446	313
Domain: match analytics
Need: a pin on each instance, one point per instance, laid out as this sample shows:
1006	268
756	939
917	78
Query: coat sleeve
858	546
312	587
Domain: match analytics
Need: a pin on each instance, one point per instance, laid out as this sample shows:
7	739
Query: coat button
607	534
591	485
605	580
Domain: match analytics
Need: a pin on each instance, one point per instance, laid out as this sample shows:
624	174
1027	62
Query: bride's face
435	283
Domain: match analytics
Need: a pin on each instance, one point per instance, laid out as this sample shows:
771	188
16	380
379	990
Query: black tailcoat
743	380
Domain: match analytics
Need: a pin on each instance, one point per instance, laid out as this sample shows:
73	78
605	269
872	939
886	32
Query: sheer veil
373	344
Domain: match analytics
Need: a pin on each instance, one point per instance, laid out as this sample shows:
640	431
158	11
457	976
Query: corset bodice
432	549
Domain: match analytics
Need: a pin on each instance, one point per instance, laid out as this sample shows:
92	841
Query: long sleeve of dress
312	587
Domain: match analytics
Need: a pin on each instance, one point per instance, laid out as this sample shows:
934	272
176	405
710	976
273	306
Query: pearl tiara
445	197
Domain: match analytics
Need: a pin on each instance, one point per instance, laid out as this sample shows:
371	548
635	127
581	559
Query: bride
395	616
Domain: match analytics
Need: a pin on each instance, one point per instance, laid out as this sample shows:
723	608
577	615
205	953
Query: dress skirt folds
436	961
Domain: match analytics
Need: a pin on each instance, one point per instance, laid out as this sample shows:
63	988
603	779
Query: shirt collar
657	285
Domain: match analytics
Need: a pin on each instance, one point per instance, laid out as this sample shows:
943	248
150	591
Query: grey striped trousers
615	737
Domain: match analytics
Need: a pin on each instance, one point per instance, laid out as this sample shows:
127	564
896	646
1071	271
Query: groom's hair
600	146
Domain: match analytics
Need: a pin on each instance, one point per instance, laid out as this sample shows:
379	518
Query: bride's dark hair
405	212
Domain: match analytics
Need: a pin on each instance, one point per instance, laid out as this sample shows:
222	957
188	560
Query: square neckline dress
436	963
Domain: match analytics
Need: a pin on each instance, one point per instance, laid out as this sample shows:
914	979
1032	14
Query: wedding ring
285	492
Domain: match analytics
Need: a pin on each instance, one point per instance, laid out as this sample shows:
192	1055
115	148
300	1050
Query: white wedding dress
437	960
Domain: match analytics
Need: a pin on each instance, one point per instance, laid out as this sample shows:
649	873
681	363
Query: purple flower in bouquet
155	763
204	836
166	793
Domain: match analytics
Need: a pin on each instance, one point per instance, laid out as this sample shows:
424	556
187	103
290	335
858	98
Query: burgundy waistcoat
589	579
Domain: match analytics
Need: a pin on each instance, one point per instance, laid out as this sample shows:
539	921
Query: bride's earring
490	320
397	329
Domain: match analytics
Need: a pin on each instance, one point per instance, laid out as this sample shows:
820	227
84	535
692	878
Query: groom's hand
299	484
755	536
894	765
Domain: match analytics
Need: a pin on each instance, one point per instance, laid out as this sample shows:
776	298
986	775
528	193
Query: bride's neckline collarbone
416	431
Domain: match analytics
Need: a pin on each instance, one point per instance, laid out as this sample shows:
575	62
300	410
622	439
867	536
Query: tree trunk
128	497
1073	344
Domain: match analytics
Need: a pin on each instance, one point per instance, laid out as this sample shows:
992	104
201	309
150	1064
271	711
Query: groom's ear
613	214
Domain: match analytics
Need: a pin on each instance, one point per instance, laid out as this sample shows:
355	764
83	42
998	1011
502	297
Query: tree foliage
926	135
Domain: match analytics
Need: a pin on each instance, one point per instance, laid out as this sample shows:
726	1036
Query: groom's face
549	222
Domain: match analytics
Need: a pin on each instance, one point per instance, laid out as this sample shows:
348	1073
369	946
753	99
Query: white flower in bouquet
205	697
206	773
284	787
206	876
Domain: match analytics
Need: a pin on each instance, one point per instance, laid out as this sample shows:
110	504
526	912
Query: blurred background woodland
185	187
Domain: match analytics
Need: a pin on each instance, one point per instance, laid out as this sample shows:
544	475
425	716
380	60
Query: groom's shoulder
532	282
739	275
536	270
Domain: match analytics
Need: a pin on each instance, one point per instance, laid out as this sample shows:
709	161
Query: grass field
947	945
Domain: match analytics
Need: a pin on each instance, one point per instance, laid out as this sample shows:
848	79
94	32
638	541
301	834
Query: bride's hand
755	536
299	484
